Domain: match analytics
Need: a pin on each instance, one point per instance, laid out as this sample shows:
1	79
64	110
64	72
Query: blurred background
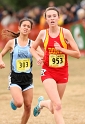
72	16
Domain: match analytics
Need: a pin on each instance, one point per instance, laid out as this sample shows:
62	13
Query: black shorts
23	80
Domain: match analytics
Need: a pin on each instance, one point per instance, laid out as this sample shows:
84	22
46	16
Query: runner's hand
39	61
57	46
2	64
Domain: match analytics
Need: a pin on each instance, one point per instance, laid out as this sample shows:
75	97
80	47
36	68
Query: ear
58	17
18	28
46	20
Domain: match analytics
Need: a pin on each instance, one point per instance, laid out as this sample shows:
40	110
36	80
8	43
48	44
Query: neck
23	38
53	29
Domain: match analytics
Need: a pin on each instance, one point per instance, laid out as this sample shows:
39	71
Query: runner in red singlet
57	43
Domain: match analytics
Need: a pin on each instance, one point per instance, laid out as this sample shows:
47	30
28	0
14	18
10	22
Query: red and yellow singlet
55	61
54	58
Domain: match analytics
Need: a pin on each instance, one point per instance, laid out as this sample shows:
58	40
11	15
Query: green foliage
20	4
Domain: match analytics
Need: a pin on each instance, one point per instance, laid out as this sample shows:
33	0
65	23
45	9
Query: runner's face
52	17
25	27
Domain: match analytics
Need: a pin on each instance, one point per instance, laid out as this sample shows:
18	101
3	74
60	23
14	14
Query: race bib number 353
56	60
23	65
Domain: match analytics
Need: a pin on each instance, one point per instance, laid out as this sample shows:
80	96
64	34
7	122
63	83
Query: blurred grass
73	101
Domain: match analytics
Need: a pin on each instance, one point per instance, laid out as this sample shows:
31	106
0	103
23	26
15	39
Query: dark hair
26	19
51	8
83	18
10	34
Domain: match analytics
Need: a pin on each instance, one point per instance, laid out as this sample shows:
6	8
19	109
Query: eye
28	26
54	15
24	25
49	16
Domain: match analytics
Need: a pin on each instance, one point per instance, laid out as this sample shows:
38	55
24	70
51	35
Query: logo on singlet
42	72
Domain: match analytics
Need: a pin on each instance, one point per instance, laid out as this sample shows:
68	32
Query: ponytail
9	34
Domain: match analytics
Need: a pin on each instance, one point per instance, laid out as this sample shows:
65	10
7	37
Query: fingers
55	43
2	66
39	61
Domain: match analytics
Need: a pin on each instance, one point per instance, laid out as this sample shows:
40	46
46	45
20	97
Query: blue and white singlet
21	58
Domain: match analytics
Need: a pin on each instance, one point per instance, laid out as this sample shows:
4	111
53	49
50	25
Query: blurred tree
19	4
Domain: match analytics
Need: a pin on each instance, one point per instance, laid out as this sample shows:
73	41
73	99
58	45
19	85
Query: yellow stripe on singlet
62	38
46	40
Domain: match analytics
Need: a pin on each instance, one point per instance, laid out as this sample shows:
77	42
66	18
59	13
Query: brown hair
51	8
10	34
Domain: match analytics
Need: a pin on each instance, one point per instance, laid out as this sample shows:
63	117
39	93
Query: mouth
25	31
52	22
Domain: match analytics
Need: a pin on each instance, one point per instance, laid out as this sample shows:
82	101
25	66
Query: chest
51	42
21	52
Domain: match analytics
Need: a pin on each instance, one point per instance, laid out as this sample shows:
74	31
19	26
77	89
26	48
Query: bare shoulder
66	32
42	32
10	44
11	41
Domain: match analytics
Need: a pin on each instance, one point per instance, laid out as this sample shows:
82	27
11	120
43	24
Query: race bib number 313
23	65
56	60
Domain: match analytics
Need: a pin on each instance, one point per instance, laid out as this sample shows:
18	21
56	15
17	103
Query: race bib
56	60
23	65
